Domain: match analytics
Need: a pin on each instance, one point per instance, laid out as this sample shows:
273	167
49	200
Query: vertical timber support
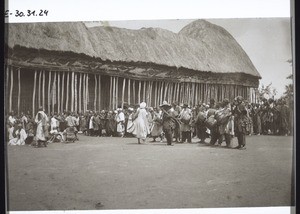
19	92
33	95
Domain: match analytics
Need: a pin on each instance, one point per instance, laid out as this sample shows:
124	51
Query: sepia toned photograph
149	114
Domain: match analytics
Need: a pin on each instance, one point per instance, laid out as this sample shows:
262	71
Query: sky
267	41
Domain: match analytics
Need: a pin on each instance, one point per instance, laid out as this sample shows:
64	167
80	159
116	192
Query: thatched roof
200	46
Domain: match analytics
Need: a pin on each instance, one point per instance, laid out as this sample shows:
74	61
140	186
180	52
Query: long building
68	66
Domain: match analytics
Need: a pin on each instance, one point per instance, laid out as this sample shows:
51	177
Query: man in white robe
41	120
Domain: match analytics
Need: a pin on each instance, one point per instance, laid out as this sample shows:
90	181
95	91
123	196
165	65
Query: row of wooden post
70	91
155	92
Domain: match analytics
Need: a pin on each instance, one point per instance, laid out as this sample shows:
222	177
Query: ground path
120	174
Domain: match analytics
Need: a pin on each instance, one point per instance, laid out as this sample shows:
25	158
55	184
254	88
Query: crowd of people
219	122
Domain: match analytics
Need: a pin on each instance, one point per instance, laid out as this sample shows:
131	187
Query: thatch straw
200	46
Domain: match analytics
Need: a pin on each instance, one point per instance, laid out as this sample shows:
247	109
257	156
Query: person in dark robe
241	122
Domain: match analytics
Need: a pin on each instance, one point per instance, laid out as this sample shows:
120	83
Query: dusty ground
120	174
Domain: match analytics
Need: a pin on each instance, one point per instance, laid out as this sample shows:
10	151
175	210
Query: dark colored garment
169	125
187	136
111	125
215	136
284	119
241	122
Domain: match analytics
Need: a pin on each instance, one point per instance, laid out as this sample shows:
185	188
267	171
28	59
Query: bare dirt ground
117	173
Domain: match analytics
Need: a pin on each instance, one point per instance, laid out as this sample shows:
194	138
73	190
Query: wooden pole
79	94
54	92
43	89
171	92
87	92
161	91
144	91
84	93
49	92
95	99
114	86
150	93
155	93
62	92
117	92
72	92
178	92
129	91
110	92
139	94
123	91
196	93
134	92
166	90
33	95
58	92
99	92
67	91
158	93
19	92
39	88
75	92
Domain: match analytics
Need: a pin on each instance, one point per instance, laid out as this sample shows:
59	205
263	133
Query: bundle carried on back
222	115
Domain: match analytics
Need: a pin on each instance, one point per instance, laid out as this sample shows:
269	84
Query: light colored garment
41	120
70	121
10	133
91	123
24	121
54	124
20	139
157	127
120	122
130	124
185	116
11	120
141	129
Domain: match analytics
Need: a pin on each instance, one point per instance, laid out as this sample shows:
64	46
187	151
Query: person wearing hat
168	121
241	120
185	117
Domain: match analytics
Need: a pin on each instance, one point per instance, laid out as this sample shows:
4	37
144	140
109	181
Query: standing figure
226	123
41	120
111	123
168	121
130	124
185	117
176	109
120	118
200	124
241	122
157	129
92	124
102	125
141	124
